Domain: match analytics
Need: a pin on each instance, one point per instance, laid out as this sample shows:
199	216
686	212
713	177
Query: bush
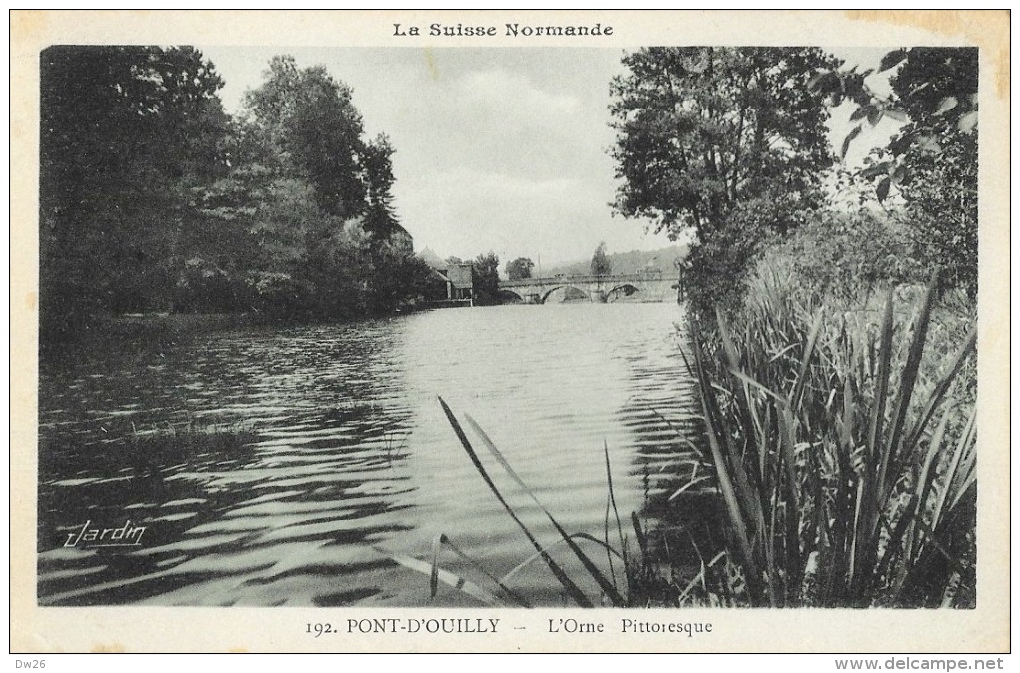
202	287
714	271
846	255
718	264
278	295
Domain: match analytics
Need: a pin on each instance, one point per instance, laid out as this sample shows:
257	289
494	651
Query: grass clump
194	438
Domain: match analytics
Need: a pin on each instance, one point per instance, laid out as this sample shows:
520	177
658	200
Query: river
351	460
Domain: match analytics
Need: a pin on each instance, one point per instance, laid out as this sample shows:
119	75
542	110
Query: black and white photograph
508	329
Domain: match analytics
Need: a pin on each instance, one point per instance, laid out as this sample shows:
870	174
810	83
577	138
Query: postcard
510	331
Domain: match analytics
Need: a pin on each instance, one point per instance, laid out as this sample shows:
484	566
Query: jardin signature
127	535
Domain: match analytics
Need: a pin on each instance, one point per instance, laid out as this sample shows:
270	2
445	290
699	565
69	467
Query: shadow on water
241	483
682	523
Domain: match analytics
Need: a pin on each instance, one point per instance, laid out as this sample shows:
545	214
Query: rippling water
351	456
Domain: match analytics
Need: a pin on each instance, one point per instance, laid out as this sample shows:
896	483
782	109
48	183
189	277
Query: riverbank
175	323
107	331
166	326
133	324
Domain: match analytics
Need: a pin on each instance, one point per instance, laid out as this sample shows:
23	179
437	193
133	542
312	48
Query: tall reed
843	449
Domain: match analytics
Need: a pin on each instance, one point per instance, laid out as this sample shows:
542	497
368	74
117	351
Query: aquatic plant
843	450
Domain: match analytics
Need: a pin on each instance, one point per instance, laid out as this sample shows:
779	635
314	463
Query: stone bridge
647	286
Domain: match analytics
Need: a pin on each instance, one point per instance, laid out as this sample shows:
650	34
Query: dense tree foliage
126	134
600	265
316	196
727	143
932	160
485	274
153	199
938	90
519	268
703	129
309	127
380	216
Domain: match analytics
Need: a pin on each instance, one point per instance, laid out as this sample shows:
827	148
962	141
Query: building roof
459	275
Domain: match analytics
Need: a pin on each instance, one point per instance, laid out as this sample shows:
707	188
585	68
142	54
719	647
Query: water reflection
350	452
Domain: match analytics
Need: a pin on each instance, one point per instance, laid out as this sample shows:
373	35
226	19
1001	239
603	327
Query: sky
503	150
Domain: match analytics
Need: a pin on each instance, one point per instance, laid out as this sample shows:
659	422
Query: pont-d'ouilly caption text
489	625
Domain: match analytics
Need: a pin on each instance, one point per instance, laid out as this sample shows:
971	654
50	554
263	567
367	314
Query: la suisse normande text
509	30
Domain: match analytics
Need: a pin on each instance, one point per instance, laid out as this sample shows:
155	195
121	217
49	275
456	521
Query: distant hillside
634	261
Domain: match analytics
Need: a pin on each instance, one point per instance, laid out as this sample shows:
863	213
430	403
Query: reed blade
726	485
434	575
456	581
582	536
791	538
926	480
640	534
515	596
953	487
686	487
942	387
905	393
604	583
872	479
809	349
571	588
611	503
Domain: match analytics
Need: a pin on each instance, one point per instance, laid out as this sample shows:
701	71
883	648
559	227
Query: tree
938	89
935	157
701	129
380	216
711	139
519	268
126	135
312	198
401	278
485	276
151	198
932	160
314	132
600	265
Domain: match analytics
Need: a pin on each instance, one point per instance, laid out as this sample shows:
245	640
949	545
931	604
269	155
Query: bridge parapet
585	280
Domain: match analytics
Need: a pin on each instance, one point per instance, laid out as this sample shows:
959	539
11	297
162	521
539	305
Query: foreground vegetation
832	330
842	442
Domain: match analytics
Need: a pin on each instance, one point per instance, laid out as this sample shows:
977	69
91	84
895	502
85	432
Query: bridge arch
564	286
511	295
627	289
